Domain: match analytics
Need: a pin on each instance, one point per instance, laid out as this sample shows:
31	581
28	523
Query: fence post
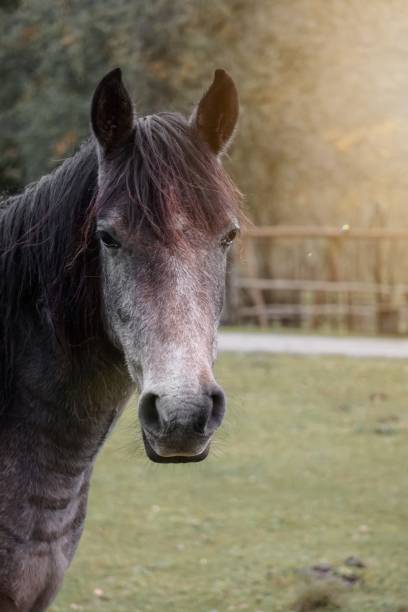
333	263
230	313
255	294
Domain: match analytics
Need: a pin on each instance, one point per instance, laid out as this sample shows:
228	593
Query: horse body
111	278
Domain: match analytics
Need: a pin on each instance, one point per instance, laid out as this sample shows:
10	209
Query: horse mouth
182	458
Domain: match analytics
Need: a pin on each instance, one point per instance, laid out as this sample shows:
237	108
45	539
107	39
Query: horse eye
108	240
230	237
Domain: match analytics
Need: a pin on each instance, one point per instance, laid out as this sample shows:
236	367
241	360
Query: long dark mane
49	264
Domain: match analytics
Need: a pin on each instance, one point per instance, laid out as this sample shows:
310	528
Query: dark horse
111	278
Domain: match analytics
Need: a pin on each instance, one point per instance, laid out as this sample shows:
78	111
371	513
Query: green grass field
310	467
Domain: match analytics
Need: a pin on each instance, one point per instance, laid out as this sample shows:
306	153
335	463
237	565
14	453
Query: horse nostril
217	410
149	414
202	416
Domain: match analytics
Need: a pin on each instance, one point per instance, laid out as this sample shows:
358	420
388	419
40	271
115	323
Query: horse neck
69	401
63	405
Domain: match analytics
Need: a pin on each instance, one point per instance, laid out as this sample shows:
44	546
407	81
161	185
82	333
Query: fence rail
307	285
344	231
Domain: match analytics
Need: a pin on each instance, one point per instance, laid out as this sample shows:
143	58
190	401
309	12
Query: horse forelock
166	175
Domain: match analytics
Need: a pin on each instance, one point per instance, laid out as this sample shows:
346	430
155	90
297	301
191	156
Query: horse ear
111	112
216	115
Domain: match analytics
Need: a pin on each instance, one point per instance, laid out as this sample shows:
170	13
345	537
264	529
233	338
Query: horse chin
184	458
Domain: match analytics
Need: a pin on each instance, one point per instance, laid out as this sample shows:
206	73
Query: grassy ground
311	467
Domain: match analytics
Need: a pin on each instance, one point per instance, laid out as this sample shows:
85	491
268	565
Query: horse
112	274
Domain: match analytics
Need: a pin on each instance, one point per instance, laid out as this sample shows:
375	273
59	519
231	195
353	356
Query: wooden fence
312	276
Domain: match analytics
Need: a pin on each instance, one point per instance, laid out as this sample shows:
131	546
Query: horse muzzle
179	429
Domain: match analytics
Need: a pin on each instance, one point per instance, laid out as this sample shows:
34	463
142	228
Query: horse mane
49	260
40	233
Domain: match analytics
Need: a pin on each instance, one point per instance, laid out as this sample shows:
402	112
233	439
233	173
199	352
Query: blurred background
302	504
322	141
